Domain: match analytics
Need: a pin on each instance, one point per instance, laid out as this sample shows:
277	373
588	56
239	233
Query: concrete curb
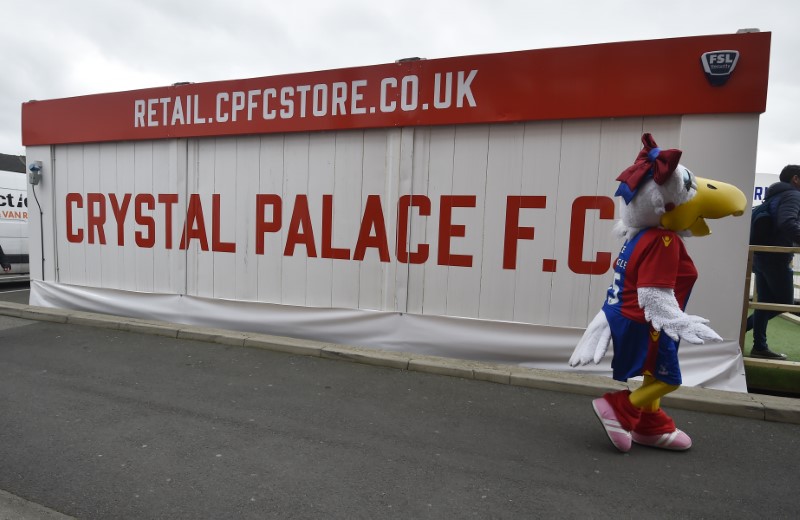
753	406
13	507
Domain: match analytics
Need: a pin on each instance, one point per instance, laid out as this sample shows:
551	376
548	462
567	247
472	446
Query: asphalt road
104	424
17	292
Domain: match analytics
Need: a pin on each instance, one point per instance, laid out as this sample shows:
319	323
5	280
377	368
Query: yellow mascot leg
648	396
655	428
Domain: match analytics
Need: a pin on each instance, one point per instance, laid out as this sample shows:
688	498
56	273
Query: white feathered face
682	204
652	201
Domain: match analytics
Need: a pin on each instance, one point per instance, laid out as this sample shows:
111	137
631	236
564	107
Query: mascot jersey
655	257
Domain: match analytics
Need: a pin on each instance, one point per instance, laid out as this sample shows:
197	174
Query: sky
63	48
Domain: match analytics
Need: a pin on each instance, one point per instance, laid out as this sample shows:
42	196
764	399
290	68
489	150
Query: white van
14	224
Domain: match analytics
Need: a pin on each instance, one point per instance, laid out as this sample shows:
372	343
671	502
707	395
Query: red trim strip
644	78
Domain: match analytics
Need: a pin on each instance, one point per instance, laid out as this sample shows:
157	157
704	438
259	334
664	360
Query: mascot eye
688	180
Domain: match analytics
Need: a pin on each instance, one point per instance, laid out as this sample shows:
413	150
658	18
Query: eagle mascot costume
643	315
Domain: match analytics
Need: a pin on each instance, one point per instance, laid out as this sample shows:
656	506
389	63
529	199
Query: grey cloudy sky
62	48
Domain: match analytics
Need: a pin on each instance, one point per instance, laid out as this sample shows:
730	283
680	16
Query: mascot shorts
638	348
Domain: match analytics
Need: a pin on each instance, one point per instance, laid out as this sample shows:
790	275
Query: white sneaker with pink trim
677	440
619	437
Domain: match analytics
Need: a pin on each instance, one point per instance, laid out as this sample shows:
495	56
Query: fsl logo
719	65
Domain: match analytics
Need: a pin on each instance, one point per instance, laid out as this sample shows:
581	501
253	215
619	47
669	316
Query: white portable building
458	207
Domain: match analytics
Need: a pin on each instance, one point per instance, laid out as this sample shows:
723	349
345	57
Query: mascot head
659	191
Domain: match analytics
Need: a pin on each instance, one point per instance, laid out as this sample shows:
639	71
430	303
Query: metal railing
755	304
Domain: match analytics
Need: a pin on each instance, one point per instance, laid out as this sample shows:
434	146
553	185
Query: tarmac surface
113	418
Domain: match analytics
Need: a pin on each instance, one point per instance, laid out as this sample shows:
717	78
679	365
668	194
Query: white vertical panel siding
91	179
503	178
111	255
398	177
143	258
620	142
557	161
72	256
227	186
721	148
440	182
469	178
169	177
347	212
541	159
163	171
415	180
246	179
192	161
294	286
126	183
59	183
270	264
372	270
580	152
665	130
321	157
200	265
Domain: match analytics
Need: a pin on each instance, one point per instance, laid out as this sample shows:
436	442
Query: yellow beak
714	199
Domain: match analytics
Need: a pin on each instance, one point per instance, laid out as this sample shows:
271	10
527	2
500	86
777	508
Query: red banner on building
697	75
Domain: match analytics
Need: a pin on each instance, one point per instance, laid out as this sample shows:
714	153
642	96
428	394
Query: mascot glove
662	311
594	343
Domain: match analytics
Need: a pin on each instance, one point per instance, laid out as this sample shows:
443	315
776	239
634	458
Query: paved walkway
106	417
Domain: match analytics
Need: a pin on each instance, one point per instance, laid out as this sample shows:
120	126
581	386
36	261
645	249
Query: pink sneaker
619	437
676	440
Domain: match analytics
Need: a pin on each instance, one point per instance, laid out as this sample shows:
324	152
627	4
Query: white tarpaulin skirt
713	365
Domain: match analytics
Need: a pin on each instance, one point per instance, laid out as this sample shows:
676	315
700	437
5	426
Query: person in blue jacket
773	271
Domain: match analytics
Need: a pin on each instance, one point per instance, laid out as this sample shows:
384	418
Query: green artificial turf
783	335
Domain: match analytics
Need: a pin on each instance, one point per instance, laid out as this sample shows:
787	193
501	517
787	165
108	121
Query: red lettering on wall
74	236
515	232
195	226
216	242
168	200
267	226
448	230
328	251
96	218
580	206
91	208
404	205
120	211
372	219
301	219
141	202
